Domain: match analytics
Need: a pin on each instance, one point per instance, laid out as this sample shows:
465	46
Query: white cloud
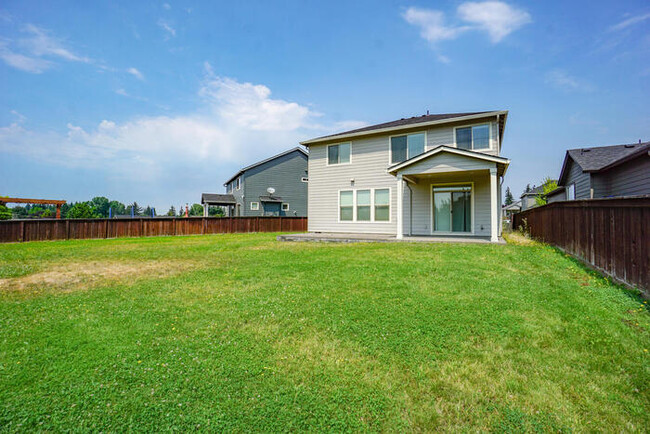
432	24
497	18
630	22
236	124
134	72
33	53
166	27
561	80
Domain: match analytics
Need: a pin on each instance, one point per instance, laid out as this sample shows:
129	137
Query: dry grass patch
518	239
80	275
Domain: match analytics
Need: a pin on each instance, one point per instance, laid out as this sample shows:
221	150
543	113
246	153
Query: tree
147	211
216	211
172	211
5	213
137	209
509	199
117	208
548	185
196	210
82	210
101	205
528	189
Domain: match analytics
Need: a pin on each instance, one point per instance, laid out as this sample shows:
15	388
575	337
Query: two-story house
276	186
428	175
604	171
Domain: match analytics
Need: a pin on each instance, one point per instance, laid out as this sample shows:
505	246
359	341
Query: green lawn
244	333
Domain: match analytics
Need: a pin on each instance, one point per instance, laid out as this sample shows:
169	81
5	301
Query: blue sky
160	101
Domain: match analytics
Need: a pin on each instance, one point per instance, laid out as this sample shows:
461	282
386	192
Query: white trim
404	127
431	205
372	206
477	124
443	148
390	148
494	207
568	188
327	156
238	182
282	208
257	206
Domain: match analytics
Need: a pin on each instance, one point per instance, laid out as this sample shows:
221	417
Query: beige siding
444	136
369	160
368	169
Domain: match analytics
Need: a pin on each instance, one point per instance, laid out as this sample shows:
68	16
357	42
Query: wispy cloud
167	28
36	52
136	73
630	22
227	127
496	18
562	80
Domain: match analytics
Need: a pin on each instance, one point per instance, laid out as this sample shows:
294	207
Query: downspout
410	208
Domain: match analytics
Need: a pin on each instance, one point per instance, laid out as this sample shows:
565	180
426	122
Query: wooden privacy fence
39	230
612	235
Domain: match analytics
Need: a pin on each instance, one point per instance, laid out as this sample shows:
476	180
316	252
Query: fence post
22	232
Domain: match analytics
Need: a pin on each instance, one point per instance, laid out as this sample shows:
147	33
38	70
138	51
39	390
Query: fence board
612	235
52	229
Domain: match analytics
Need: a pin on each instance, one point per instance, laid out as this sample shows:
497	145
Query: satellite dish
270	190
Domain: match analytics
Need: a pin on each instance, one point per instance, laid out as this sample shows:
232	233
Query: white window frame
372	205
452	184
327	155
390	148
477	124
283	207
255	206
571	187
238	182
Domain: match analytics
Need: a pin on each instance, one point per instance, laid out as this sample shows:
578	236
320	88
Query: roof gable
596	159
446	149
259	163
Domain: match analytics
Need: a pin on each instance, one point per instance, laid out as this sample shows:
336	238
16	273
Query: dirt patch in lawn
518	239
73	276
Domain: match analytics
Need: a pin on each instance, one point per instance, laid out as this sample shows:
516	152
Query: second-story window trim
403	147
474	137
238	182
339	153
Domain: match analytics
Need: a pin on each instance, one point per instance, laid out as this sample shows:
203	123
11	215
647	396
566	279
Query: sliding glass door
452	208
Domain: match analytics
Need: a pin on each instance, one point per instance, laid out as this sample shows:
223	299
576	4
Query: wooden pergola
58	203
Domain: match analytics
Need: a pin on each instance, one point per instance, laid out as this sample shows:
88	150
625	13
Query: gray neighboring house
605	171
528	199
276	186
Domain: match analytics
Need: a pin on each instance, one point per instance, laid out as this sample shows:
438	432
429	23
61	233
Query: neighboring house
605	171
276	186
427	175
529	198
509	210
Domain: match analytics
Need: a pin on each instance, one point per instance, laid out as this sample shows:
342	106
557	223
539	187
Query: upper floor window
338	154
405	147
473	138
238	182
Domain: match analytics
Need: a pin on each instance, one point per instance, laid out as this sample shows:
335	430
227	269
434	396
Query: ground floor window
382	205
364	205
346	206
255	206
452	208
285	207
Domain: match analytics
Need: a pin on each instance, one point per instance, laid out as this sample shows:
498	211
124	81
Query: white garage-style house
427	176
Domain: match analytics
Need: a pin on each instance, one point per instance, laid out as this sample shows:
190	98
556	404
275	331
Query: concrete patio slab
330	237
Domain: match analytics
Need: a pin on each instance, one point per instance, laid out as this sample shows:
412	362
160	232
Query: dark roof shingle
221	199
598	158
404	122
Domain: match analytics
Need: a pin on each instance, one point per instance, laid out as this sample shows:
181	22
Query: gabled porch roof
500	162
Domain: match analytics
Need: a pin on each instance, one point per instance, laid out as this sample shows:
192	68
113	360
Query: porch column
400	207
205	209
494	207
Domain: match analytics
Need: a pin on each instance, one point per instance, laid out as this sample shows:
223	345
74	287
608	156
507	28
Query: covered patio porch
449	192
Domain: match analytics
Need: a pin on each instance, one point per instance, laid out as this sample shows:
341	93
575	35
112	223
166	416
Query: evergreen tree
216	211
172	211
147	211
137	209
509	199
